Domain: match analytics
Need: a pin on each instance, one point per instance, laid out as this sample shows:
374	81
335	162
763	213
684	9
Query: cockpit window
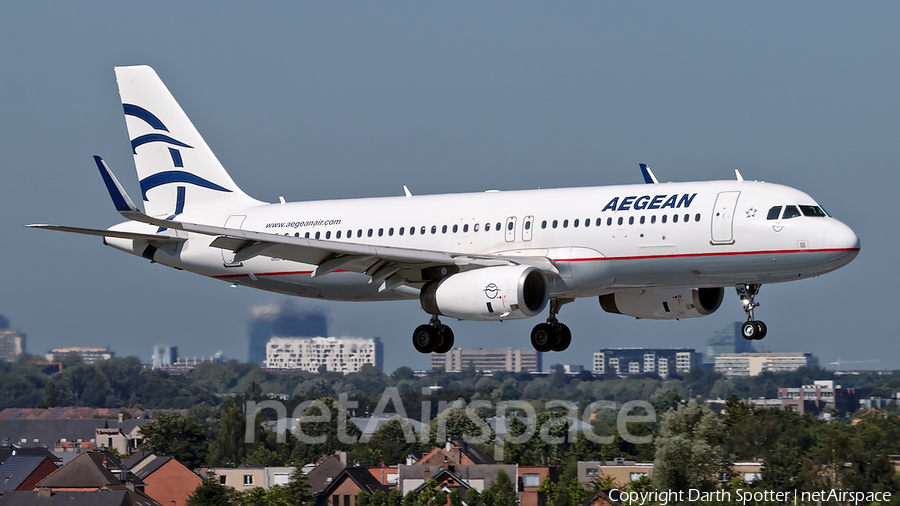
790	212
774	213
814	211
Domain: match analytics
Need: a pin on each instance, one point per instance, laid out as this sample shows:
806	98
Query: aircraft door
511	229
234	221
723	218
527	225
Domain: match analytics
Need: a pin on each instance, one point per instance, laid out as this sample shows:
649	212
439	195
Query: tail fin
178	172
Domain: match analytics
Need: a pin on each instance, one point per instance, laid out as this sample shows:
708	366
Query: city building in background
751	364
814	398
504	359
88	354
184	365
661	361
164	356
337	354
727	340
282	320
12	344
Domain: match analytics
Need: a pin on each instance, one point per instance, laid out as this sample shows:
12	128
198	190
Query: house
22	472
456	452
249	476
529	479
91	479
479	477
325	472
166	479
342	491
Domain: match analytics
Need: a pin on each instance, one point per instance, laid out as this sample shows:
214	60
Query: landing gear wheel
750	331
543	337
761	329
446	343
425	338
563	338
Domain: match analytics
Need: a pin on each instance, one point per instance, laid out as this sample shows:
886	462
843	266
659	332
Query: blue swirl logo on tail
171	176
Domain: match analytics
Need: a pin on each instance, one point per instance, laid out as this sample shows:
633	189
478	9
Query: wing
156	239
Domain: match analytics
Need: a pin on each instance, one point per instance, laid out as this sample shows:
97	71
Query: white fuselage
601	239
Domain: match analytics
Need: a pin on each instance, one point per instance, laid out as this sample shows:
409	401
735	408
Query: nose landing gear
752	329
553	335
433	337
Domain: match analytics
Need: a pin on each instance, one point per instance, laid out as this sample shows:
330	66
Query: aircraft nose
842	238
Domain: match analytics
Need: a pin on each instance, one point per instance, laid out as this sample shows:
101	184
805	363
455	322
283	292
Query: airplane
653	250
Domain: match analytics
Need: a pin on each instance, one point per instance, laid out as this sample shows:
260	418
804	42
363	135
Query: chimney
45	492
343	457
121	417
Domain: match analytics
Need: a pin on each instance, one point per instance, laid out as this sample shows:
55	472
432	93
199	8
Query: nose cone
841	239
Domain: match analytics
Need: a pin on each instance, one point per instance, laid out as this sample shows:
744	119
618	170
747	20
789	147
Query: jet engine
488	294
664	303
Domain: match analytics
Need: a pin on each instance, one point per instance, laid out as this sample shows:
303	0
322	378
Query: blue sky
337	100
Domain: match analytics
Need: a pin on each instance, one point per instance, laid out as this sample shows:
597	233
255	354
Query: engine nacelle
664	303
488	294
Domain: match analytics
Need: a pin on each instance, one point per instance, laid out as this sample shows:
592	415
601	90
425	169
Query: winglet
406	191
738	175
649	178
120	199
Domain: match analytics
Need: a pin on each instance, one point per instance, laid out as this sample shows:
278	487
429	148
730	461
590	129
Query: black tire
564	338
543	337
749	331
425	338
761	330
446	343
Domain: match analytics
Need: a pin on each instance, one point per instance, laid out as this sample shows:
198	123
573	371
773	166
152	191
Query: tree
688	452
388	444
211	493
503	490
171	434
309	451
229	448
297	491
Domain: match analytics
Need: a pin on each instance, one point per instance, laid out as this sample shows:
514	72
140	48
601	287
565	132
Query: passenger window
487	227
790	212
412	230
498	227
455	228
444	229
544	224
774	212
369	233
465	228
687	218
422	230
510	226
338	235
643	218
653	219
297	234
565	223
587	222
317	234
328	234
675	218
391	231
575	224
307	235
697	217
475	228
401	230
359	233
599	220
620	220
608	222
433	229
555	223
631	220
665	217
813	211
380	232
527	225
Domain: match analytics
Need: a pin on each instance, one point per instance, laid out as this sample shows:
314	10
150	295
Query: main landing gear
552	336
751	329
433	337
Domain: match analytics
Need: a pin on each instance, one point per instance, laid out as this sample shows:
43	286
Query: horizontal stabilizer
155	238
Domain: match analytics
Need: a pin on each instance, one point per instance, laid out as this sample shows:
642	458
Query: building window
531	480
248	479
222	479
636	476
592	472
